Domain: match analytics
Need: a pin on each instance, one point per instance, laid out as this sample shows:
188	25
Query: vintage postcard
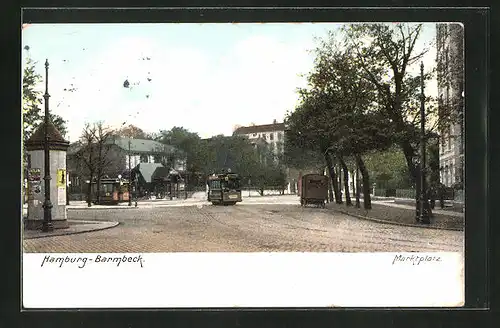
243	165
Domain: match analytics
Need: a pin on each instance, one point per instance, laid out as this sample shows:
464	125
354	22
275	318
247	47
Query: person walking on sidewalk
433	195
441	191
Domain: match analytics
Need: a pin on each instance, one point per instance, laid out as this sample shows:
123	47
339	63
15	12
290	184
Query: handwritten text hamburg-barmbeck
81	261
416	259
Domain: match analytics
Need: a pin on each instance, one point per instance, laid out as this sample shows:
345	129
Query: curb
64	233
102	208
396	223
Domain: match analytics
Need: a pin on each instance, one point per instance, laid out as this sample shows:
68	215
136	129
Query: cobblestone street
250	226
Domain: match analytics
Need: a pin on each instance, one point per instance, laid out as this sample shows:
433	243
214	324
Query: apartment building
273	134
450	82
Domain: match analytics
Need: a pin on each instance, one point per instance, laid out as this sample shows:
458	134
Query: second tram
224	189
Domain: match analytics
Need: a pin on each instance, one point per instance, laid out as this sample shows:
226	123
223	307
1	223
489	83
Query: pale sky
204	77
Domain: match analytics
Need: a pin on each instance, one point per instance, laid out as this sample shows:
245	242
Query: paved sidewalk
384	211
409	207
75	226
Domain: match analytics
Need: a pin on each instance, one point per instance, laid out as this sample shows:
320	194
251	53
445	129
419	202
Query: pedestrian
433	194
441	192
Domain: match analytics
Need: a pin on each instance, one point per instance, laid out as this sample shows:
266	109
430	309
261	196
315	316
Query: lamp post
129	175
424	200
416	164
68	183
47	205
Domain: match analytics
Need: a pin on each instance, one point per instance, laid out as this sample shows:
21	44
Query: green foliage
131	131
32	101
385	52
188	144
388	169
207	156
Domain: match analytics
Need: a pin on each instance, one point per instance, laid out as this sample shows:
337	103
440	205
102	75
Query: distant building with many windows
272	134
450	82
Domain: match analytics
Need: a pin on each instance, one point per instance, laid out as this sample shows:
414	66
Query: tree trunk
409	153
367	203
98	187
353	182
358	191
333	178
330	191
339	175
89	190
348	201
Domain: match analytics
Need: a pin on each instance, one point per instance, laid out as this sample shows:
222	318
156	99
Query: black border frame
476	22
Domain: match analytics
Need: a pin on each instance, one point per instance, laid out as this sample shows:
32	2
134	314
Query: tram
112	191
313	190
224	189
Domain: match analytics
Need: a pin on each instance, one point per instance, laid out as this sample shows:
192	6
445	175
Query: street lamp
129	174
47	205
416	164
424	200
68	183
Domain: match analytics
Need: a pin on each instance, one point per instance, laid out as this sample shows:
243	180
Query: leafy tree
188	144
32	102
86	156
388	168
385	52
94	157
337	116
31	106
102	135
131	131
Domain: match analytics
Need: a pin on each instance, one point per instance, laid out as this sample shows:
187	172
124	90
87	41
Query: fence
406	193
398	193
254	191
381	192
459	196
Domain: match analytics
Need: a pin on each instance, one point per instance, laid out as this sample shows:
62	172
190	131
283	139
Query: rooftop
144	146
260	128
37	140
150	171
141	145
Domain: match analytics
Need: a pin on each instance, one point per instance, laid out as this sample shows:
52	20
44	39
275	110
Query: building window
280	136
254	134
264	136
157	158
144	159
446	174
271	136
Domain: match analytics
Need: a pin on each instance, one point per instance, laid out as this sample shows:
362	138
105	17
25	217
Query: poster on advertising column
61	186
61	196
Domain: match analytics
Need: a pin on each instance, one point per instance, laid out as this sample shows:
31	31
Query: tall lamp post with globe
47	205
129	174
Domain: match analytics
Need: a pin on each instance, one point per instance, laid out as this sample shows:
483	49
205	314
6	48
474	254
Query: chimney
274	121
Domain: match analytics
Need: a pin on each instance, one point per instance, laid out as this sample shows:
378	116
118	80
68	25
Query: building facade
120	153
272	134
451	105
